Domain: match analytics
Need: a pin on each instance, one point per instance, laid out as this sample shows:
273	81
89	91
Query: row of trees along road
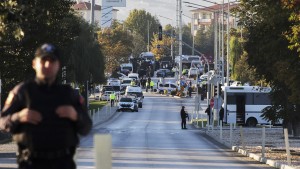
28	24
271	48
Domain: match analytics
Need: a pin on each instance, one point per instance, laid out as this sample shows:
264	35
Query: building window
196	15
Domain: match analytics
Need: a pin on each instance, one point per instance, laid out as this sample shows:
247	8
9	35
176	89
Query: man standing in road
183	115
151	85
112	98
208	111
44	117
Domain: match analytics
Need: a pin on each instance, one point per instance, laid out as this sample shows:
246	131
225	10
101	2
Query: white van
134	76
167	86
127	66
137	91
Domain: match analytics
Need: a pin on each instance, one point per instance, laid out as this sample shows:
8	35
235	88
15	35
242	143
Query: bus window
261	99
231	99
249	99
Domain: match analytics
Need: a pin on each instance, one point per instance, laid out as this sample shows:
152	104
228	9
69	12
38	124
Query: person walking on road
151	85
112	98
183	115
190	90
221	114
45	117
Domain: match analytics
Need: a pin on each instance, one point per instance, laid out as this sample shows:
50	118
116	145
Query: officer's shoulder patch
9	98
13	93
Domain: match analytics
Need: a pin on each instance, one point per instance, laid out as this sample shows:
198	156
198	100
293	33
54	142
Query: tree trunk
287	125
296	122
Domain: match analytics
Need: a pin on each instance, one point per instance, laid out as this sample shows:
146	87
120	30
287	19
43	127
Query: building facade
206	17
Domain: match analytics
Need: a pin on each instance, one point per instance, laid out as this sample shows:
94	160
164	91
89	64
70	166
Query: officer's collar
44	83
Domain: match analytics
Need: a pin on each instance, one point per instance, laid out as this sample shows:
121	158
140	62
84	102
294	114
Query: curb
272	163
256	157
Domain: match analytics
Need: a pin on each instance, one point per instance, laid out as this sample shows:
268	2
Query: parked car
121	75
236	83
105	95
128	103
203	77
167	86
193	72
126	82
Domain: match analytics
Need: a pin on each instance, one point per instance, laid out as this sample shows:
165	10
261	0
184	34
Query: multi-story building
205	17
84	10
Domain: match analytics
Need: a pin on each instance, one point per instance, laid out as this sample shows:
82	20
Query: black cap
47	50
183	107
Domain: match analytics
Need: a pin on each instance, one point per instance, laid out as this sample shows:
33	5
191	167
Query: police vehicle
137	91
128	103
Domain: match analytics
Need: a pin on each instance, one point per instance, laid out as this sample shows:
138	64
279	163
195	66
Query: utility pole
92	11
227	63
222	81
148	46
180	39
193	34
172	44
216	39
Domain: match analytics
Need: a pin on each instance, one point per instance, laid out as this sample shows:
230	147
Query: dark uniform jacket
183	114
52	132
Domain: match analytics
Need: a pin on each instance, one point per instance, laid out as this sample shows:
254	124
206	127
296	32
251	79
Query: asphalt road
153	138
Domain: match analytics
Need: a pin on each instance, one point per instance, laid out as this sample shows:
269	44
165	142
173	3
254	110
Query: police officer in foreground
44	117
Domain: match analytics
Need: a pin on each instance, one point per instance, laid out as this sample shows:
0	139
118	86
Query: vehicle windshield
107	88
128	68
126	81
126	100
117	88
138	94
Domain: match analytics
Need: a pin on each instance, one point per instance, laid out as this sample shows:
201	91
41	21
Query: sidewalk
249	144
100	116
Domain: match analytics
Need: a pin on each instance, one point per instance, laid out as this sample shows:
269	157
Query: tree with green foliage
266	22
293	33
117	45
139	44
27	24
165	46
243	72
235	54
139	20
86	61
204	41
187	38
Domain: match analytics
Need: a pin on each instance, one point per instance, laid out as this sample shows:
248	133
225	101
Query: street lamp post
227	63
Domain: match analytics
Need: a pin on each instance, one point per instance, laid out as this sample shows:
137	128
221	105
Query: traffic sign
114	3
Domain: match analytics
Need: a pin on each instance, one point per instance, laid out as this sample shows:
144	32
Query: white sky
165	8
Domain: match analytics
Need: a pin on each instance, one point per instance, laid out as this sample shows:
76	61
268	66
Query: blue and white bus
244	104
